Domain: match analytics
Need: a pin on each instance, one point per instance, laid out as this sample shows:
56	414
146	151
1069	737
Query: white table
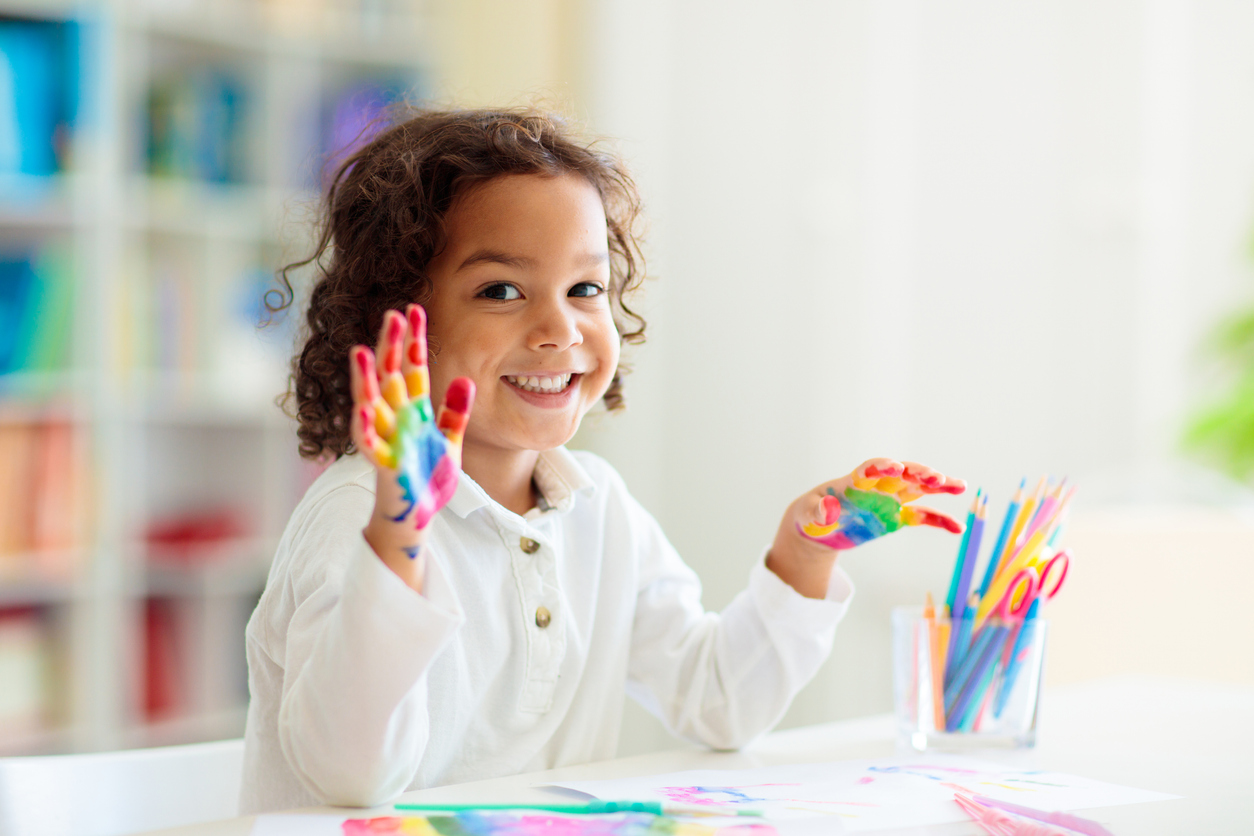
1189	738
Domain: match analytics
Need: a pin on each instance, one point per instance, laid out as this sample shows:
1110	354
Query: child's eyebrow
485	256
496	257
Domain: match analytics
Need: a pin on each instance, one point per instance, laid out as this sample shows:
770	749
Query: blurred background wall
992	237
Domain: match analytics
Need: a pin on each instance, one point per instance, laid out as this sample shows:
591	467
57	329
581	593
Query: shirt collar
559	477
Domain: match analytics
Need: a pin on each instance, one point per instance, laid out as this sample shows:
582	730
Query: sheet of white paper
905	791
298	825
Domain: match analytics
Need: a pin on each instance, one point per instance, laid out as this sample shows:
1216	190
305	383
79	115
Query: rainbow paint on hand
397	427
875	504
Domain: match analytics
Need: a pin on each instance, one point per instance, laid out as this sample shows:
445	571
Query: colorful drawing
474	823
708	796
393	420
874	504
868	795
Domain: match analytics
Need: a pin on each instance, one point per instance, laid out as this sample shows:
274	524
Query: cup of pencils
967	673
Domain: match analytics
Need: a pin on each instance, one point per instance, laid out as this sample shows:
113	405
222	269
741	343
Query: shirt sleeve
353	720
722	679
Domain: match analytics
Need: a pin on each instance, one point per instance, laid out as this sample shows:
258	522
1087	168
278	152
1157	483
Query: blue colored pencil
958	638
1014	664
962	672
967	721
962	552
1007	523
968	689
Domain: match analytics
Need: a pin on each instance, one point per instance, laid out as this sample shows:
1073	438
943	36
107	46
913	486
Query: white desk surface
1192	739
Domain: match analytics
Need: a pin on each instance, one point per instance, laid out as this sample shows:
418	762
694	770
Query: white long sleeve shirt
363	689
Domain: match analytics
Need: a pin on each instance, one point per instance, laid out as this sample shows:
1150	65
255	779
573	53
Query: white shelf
40	741
229	568
203	432
217	725
23	591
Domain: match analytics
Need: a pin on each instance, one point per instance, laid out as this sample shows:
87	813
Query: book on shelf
39	95
354	115
25	666
36	310
43	500
198	126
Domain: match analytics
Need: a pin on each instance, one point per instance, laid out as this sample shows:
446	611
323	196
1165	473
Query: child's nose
556	326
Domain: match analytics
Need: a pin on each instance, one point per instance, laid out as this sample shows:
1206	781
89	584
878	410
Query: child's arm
417	455
849	511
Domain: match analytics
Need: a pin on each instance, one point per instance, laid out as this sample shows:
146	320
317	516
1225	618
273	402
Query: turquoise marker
657	808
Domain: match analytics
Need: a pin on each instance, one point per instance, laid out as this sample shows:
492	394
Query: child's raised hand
417	455
871	502
868	503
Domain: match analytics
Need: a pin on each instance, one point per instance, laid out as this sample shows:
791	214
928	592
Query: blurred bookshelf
158	161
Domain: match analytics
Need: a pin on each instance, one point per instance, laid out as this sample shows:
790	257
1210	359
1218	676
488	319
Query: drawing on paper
473	823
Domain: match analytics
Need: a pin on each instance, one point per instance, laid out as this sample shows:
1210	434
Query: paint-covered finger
915	515
932	481
414	359
377	451
365	388
455	411
868	474
391	349
825	509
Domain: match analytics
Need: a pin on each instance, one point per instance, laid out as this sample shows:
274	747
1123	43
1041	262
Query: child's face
519	293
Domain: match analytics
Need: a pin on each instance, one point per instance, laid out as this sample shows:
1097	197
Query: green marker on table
657	808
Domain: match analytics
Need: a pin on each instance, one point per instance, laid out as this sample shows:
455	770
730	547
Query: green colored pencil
657	808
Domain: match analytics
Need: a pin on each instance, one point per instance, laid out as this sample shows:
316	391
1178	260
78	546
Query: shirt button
529	546
543	617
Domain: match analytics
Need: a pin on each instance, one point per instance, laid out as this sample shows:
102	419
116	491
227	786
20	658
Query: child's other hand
868	503
417	455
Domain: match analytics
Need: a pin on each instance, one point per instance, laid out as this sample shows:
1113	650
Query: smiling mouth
542	385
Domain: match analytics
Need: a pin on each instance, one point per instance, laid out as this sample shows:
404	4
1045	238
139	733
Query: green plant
1223	433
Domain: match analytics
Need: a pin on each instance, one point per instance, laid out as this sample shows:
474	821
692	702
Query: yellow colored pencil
1023	558
1025	515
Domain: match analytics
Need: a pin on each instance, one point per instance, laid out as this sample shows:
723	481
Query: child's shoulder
332	508
345	473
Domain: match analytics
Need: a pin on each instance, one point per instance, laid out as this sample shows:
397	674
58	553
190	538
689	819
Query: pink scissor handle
1012	606
1060	562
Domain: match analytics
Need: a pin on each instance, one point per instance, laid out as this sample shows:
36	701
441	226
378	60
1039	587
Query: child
458	596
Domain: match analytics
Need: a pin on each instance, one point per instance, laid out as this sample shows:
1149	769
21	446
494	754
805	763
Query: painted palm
395	423
875	503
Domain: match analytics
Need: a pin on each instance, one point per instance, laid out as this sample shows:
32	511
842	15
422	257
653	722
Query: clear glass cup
990	691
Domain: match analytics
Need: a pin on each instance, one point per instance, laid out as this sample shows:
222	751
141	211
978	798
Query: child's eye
586	289
502	291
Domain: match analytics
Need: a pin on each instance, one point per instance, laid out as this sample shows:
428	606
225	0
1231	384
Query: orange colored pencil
938	670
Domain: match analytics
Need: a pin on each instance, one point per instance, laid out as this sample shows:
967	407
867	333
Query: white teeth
540	384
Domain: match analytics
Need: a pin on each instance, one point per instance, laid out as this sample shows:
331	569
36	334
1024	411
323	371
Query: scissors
1030	583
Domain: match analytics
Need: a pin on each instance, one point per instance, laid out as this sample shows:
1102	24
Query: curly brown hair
382	221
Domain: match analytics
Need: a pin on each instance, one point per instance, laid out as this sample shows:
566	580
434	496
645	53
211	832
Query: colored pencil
1067	820
1045	511
966	690
1025	514
1015	662
934	654
957	643
657	808
962	553
1012	512
962	671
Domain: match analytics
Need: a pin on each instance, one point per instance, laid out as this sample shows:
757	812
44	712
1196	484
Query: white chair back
113	793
